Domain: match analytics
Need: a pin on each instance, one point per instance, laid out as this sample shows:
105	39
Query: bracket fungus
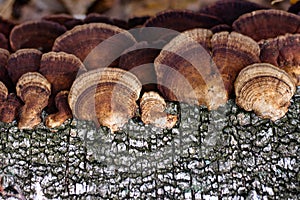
106	96
230	10
64	111
264	24
4	55
60	69
64	19
34	90
170	23
9	105
198	67
153	111
35	34
182	20
99	18
264	89
232	52
23	61
139	59
284	52
94	43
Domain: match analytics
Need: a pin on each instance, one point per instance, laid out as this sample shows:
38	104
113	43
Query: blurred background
22	10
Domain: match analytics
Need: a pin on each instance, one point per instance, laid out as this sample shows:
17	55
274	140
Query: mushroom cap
64	111
64	19
230	10
185	72
9	109
23	61
265	89
139	60
3	92
221	28
284	52
4	55
32	82
137	21
182	20
87	43
106	96
34	90
152	107
35	34
232	52
60	69
99	18
264	24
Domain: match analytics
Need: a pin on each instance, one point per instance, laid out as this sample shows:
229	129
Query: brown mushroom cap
35	34
64	19
86	42
230	10
153	111
9	105
186	73
64	111
220	28
34	90
264	24
232	52
181	20
4	55
139	60
106	96
137	21
284	52
9	109
265	89
99	18
60	69
23	61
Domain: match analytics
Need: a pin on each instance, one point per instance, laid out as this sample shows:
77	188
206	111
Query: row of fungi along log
199	67
9	103
59	69
277	33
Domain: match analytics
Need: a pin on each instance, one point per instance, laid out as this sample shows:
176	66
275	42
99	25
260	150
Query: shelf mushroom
264	89
264	24
9	105
153	107
199	67
34	90
283	52
35	34
106	96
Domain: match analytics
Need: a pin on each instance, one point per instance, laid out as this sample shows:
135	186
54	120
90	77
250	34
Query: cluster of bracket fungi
231	48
